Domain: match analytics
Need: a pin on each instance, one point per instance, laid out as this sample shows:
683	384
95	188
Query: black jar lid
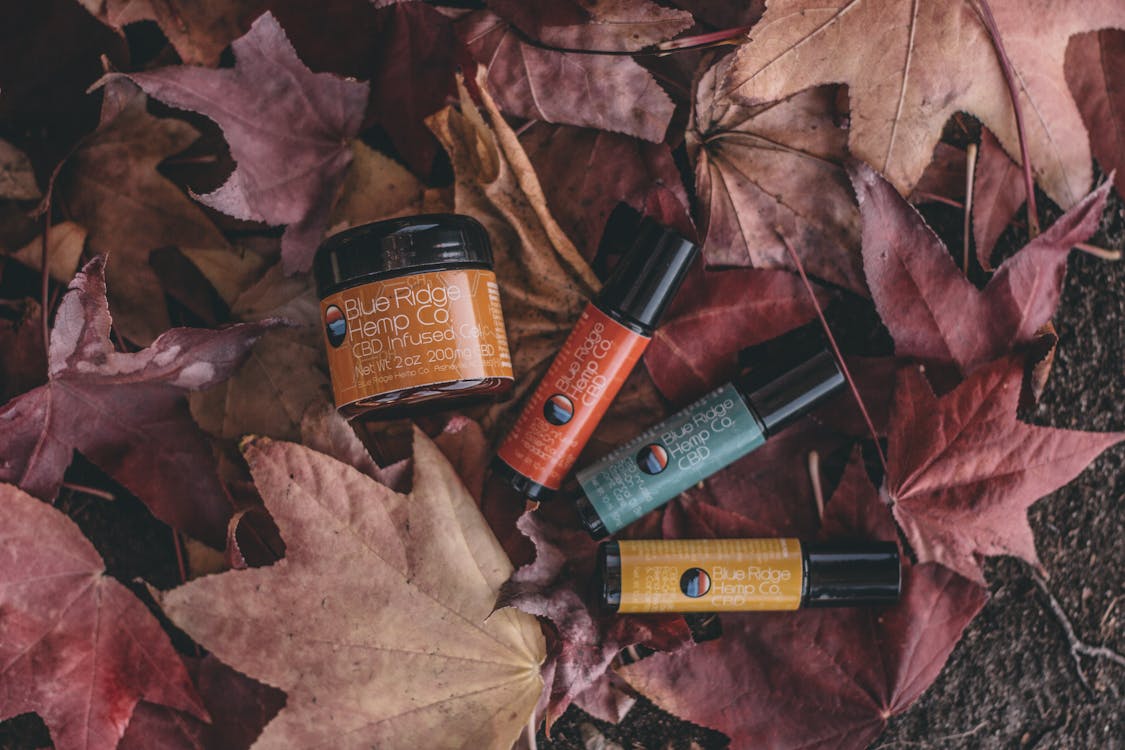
647	277
405	244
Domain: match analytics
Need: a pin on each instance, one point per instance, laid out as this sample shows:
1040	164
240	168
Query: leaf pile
167	171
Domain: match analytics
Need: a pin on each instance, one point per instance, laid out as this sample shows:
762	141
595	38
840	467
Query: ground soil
1012	682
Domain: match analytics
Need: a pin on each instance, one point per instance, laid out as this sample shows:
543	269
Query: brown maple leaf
824	679
111	186
772	174
623	25
76	646
199	31
288	130
595	91
125	412
998	192
936	314
910	66
378	622
1094	63
963	470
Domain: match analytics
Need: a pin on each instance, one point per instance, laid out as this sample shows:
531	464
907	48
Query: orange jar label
579	386
413	331
710	575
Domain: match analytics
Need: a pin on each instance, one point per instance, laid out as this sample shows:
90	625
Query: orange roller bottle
589	370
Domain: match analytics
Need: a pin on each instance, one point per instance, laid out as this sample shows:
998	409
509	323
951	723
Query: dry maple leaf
998	192
556	586
714	315
963	470
17	176
239	708
125	412
910	66
24	364
199	31
588	172
824	679
1094	65
76	646
65	243
544	281
288	130
607	92
623	25
773	171
378	622
111	186
933	312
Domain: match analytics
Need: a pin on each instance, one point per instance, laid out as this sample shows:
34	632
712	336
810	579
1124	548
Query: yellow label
710	575
413	331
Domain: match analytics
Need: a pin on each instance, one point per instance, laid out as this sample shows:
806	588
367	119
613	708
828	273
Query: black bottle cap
402	245
793	374
848	574
647	277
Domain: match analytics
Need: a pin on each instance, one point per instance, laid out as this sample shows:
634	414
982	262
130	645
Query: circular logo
558	410
335	325
653	458
695	582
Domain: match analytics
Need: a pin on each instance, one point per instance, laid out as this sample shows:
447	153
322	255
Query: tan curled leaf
64	249
378	622
376	187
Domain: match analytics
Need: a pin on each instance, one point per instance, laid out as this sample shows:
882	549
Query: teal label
667	459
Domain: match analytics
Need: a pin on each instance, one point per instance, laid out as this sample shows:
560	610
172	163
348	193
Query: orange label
573	396
710	575
416	330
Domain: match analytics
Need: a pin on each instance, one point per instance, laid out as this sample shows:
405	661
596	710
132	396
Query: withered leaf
1094	62
933	312
78	648
911	66
125	412
771	174
65	243
594	91
998	192
378	622
963	470
288	129
623	25
825	679
17	177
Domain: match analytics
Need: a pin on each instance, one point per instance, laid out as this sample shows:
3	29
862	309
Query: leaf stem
45	278
87	490
1098	252
1014	92
967	226
835	348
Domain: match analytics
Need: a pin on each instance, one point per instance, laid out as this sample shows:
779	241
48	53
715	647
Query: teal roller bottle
712	433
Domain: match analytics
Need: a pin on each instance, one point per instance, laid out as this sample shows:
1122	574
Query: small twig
817	489
1014	92
1098	252
937	741
836	349
923	196
45	278
700	41
179	555
86	490
1078	647
970	174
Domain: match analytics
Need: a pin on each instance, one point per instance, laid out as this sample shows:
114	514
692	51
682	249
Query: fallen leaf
586	173
621	25
817	678
932	311
377	621
239	708
24	364
65	243
944	178
556	586
17	176
910	67
772	174
714	315
288	130
722	14
376	187
607	92
78	648
963	470
199	31
112	187
125	412
282	377
544	282
1094	62
998	192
